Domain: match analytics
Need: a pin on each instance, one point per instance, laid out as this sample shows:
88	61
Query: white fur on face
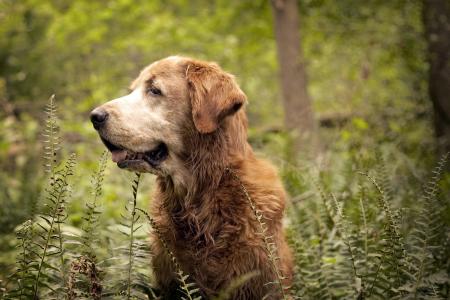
139	123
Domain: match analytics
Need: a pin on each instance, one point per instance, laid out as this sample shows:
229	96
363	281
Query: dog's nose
98	117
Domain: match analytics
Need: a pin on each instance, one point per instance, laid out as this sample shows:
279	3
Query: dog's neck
212	156
207	157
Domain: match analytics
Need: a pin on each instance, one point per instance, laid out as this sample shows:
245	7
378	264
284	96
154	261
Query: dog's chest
205	232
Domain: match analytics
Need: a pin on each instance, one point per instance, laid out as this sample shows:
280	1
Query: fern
189	289
393	251
24	262
391	216
91	212
51	230
128	276
84	275
234	285
299	284
41	242
42	238
133	220
269	244
349	241
349	246
52	139
426	238
336	262
312	277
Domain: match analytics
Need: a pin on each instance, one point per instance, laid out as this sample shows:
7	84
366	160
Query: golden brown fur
200	208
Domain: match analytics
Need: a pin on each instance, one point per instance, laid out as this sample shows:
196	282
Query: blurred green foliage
365	62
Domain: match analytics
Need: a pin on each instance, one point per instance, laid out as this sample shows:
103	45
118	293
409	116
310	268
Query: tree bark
436	19
299	118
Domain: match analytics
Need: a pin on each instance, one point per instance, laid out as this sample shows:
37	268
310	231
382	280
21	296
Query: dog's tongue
118	155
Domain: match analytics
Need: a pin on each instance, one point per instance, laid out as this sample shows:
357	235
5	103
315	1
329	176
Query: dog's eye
154	91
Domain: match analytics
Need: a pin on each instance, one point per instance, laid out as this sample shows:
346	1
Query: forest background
335	89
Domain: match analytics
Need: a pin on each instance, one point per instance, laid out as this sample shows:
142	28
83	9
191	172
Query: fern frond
51	136
365	228
343	226
337	265
127	271
269	244
299	284
384	204
83	278
57	196
189	289
91	212
235	284
316	256
24	273
426	237
393	252
133	219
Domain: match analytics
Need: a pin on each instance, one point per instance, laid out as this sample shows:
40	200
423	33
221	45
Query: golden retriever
185	122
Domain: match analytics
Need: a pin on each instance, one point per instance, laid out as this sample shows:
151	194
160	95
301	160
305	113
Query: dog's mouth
127	159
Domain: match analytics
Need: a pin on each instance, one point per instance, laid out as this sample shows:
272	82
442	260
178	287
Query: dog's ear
214	95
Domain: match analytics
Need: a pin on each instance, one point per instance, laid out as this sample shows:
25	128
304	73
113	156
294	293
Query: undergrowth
358	240
382	251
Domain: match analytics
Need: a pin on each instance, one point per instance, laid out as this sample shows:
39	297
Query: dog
184	121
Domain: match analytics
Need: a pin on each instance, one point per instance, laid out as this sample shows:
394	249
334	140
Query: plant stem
47	240
130	249
268	242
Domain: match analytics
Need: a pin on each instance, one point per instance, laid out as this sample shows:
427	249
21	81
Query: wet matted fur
185	122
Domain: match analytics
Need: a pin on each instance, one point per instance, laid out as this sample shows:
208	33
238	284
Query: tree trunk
299	118
436	19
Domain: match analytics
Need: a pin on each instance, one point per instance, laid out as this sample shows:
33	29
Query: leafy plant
187	288
372	256
85	265
267	239
49	234
133	281
352	242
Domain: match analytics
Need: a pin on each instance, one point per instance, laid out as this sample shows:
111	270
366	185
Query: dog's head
146	129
